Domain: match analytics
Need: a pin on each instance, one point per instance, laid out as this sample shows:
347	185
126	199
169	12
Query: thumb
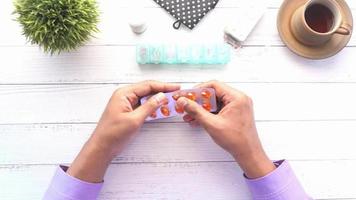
150	106
196	111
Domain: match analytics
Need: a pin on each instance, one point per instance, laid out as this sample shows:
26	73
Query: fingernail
160	98
182	102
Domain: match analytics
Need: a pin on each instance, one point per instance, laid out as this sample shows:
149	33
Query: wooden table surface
49	105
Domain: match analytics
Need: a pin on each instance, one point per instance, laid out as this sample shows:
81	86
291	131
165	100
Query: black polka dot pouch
187	12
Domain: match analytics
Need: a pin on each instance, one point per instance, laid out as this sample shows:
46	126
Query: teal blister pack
217	54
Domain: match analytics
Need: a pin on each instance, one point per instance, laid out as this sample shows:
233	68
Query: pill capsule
165	111
206	106
176	96
143	55
191	96
165	102
206	94
153	115
179	109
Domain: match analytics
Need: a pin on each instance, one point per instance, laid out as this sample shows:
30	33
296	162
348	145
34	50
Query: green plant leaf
57	25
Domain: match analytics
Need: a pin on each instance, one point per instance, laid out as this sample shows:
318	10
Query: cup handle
344	29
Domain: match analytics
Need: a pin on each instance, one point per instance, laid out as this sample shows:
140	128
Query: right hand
233	128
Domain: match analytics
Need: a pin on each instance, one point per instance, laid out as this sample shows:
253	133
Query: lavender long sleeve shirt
280	184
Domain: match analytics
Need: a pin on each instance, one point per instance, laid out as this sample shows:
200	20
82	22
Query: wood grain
193	181
59	143
114	28
114	59
49	106
85	103
116	64
221	4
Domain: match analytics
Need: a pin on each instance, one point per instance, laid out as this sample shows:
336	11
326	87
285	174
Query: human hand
122	117
233	128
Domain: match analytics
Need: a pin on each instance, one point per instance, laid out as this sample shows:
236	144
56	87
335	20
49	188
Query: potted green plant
57	25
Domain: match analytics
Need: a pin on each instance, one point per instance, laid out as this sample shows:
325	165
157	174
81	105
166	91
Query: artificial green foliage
57	25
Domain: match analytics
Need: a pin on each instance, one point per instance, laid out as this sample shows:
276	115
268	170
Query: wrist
104	145
111	138
91	163
255	165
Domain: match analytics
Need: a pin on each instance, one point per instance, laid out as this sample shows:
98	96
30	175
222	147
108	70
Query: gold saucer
332	47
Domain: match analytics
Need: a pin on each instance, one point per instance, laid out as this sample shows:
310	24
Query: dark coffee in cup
319	17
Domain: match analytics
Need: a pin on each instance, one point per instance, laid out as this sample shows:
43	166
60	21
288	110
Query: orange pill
153	115
206	106
206	94
165	111
179	109
176	96
191	96
166	102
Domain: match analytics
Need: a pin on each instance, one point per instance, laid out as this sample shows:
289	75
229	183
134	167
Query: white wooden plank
265	33
115	30
111	64
84	103
194	181
222	3
117	64
269	3
60	143
106	4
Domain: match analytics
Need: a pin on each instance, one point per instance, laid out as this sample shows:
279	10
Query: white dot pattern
189	12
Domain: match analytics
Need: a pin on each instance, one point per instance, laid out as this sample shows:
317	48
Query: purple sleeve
66	187
280	184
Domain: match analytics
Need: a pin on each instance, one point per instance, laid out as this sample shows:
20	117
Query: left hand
123	116
120	121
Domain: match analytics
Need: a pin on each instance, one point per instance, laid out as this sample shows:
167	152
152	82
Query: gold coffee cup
317	21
